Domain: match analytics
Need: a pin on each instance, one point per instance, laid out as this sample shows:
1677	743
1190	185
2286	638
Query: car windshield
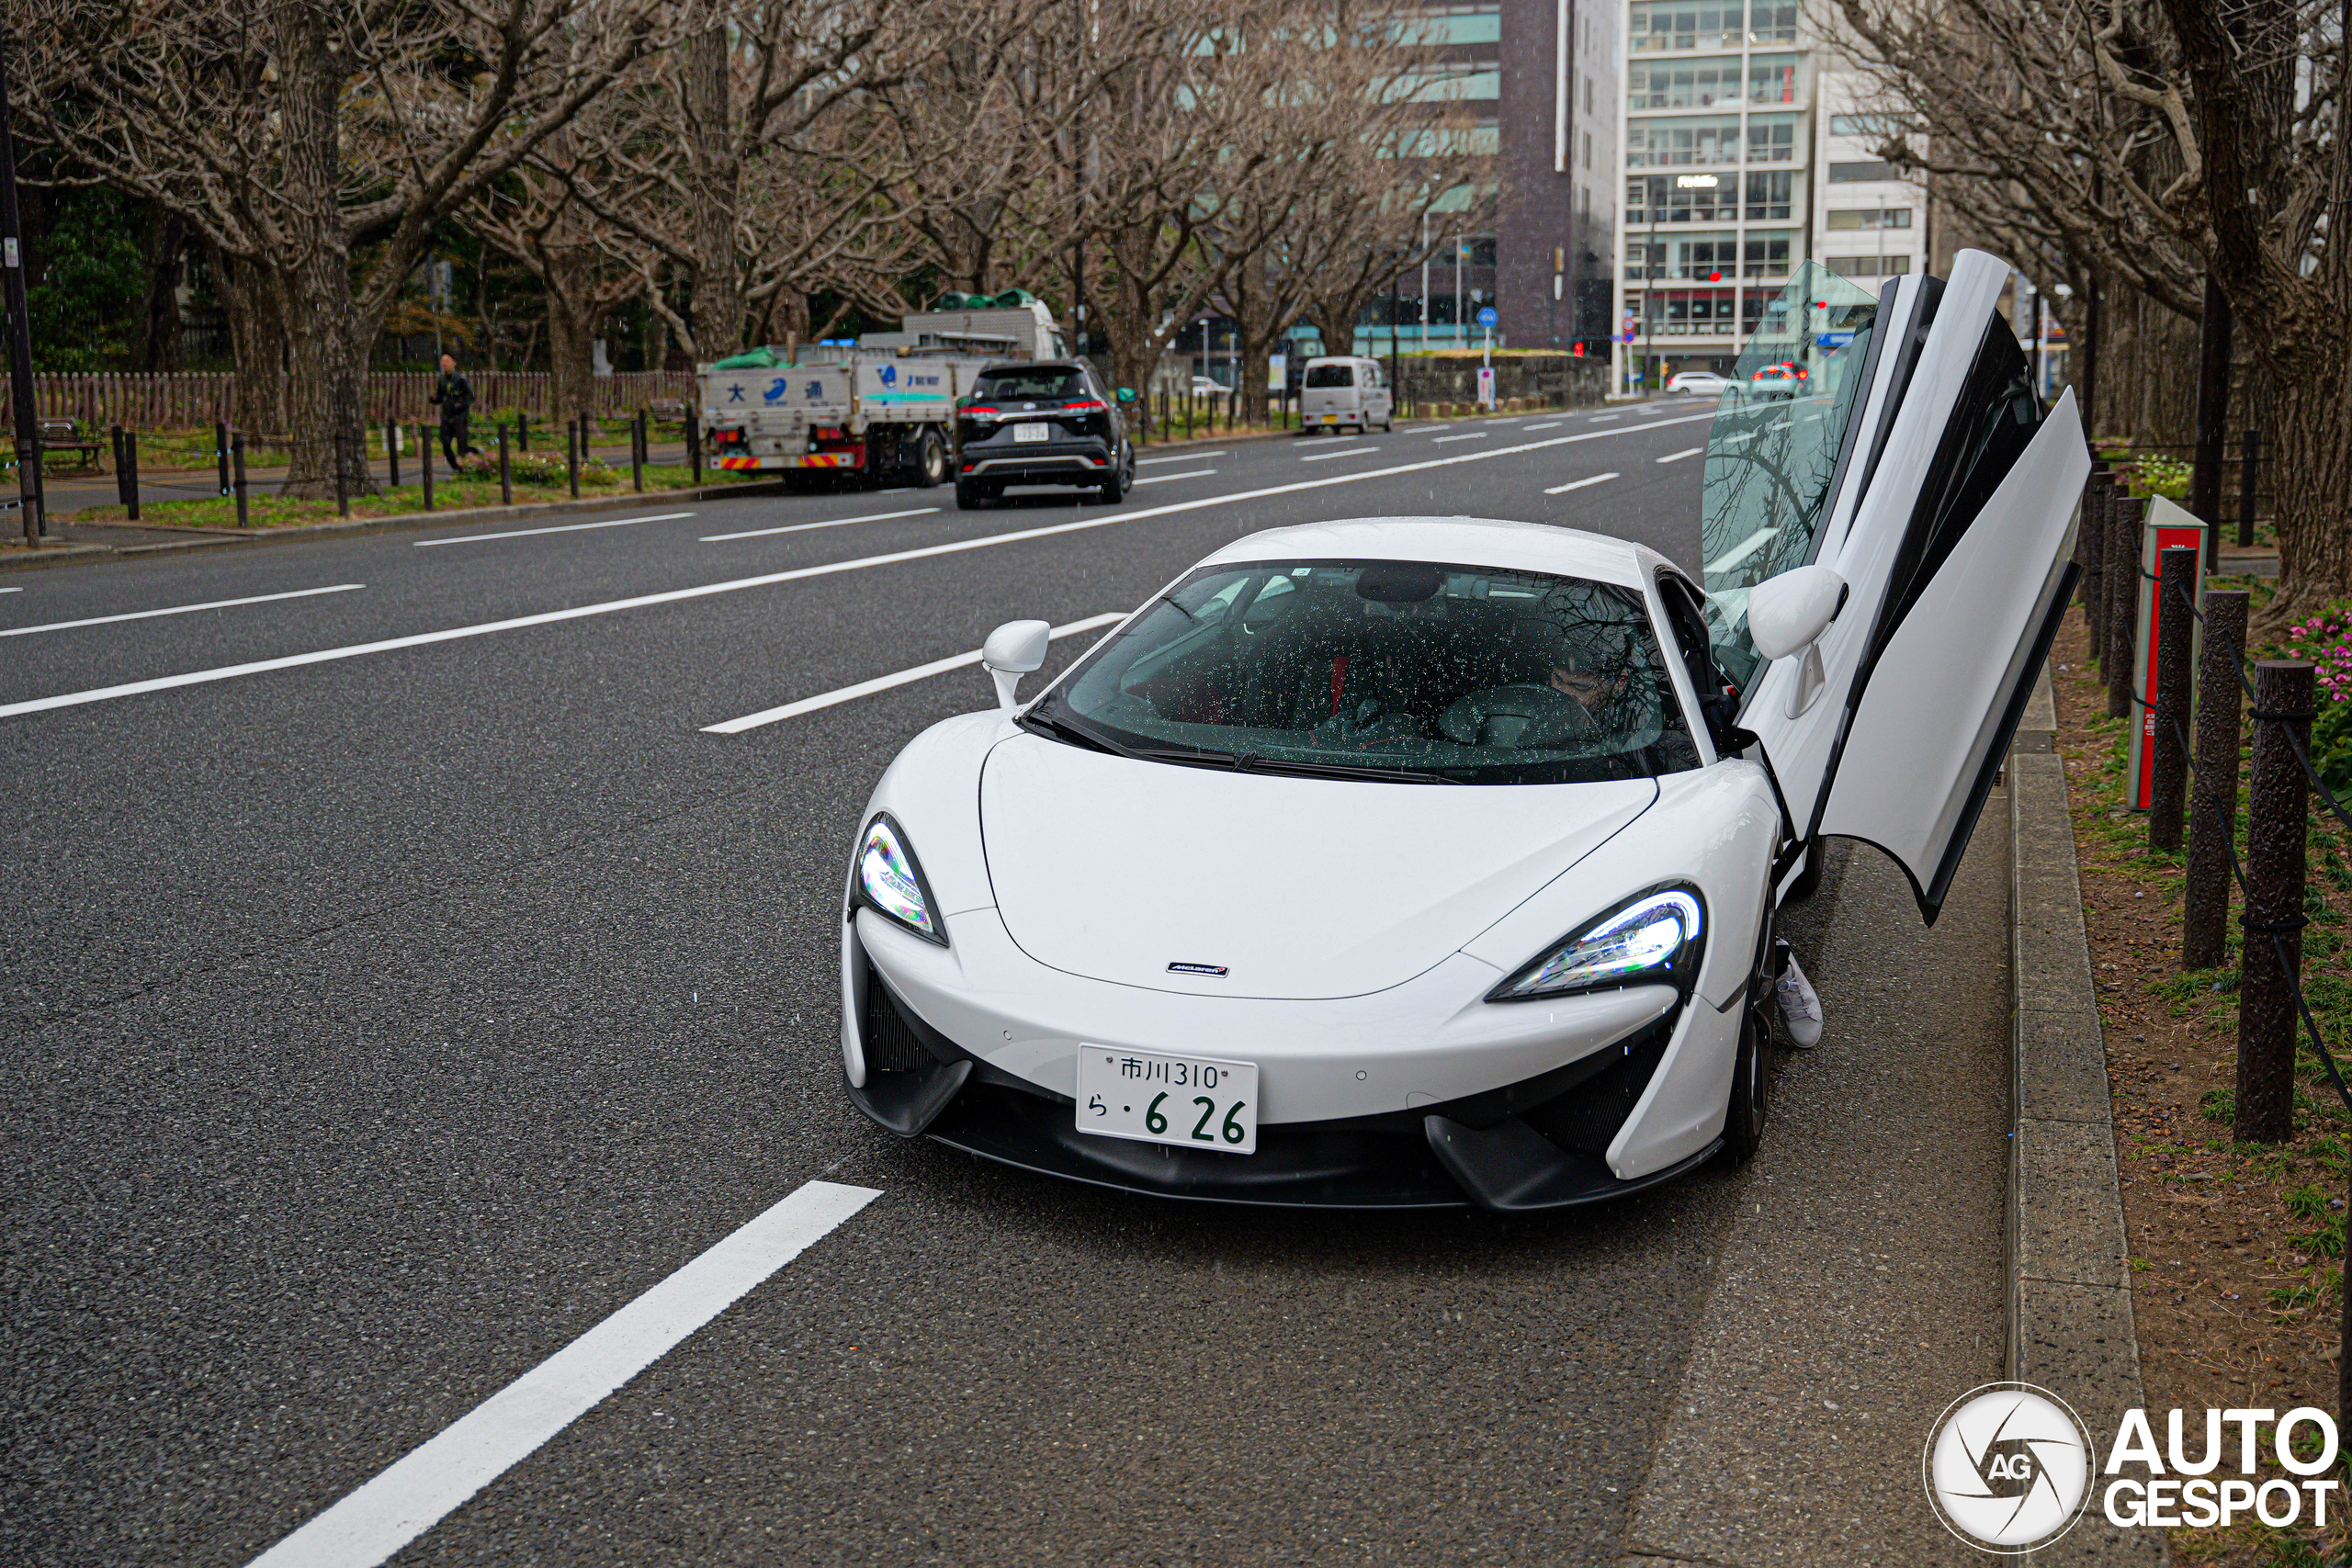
1050	382
1331	375
1388	670
1770	462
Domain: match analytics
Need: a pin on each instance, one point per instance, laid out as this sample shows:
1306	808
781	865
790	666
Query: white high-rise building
1745	153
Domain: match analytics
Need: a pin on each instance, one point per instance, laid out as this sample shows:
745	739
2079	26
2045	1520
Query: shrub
2326	640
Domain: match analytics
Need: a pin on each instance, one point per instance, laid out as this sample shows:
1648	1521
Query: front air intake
891	1044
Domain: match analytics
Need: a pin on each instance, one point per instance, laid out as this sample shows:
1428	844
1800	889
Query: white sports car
1422	862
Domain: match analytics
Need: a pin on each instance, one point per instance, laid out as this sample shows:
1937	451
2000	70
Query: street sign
1486	317
1833	340
1486	385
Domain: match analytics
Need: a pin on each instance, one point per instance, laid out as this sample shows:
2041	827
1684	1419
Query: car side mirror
1788	613
1127	394
1013	649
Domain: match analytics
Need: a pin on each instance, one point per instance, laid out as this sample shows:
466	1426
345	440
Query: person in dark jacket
454	397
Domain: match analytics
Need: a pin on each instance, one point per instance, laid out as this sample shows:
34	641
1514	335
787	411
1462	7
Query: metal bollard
522	429
505	473
114	436
636	451
220	451
128	479
2247	464
2176	620
237	465
2276	813
335	456
694	449
2213	799
2122	602
571	433
424	462
393	452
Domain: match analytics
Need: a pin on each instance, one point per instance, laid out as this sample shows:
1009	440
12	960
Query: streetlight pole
20	336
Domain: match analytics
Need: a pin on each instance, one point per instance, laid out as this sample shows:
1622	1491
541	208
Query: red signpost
2165	526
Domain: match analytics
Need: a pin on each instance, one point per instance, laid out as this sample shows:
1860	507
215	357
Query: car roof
1032	365
1461	541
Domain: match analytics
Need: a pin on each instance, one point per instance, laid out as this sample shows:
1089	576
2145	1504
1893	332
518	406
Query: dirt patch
2236	1248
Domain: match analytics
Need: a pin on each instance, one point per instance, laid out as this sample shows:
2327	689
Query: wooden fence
194	399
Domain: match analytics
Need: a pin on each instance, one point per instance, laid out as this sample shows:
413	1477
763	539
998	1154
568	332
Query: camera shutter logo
2007	1467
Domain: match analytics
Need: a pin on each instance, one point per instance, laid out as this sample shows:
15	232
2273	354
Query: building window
1668	143
1587	94
1772	79
1768	256
1871	218
1768	195
1685	85
1661	25
1869	125
1868	266
1686	312
1587	149
1856	173
1661	199
1771	23
1771	138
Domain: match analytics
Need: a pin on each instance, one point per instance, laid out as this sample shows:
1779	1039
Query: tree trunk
250	297
1339	337
2311	450
159	308
572	355
322	401
719	310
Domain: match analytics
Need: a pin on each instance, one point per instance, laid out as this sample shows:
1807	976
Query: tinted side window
1992	426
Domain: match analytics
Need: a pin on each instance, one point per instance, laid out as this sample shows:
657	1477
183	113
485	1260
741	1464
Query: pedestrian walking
454	395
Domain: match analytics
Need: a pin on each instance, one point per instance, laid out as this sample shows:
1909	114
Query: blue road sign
1486	317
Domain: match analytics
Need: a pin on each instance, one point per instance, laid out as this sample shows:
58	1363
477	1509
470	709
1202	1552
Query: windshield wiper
1062	729
1256	764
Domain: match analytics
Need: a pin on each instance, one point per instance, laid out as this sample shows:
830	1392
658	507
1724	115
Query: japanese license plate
1196	1102
1331	419
1030	432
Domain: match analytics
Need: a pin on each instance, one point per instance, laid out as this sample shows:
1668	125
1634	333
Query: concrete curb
343	528
2069	1273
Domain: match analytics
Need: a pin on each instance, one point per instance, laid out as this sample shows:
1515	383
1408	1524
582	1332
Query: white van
1346	391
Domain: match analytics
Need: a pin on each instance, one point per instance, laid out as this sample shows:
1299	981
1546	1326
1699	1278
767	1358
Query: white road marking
1547	424
1164	479
1578	484
1416	430
435	1479
885	683
1104	519
1468	435
11	591
1741	552
561	528
1602	418
1182	458
804	527
1343	452
1677	457
174	610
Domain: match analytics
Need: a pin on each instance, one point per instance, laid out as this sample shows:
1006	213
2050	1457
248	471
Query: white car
1424	862
1697	383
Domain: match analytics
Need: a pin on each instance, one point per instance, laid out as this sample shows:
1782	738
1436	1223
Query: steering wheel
1521	718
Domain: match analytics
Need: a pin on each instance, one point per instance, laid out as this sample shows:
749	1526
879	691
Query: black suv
1047	423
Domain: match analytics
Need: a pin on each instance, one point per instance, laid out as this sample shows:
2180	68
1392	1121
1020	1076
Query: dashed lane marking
173	610
886	682
833	523
1578	484
559	528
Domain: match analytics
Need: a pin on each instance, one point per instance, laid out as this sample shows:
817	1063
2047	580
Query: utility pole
20	336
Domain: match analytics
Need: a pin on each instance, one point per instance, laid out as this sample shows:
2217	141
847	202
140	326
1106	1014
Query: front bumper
1539	1140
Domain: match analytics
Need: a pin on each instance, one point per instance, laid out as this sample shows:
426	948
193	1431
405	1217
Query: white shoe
1800	1005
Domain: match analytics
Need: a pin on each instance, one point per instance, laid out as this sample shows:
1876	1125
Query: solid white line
11	591
562	528
420	1490
1164	479
174	610
1547	424
1105	519
804	527
1182	458
1471	435
1343	452
885	683
1578	484
1677	457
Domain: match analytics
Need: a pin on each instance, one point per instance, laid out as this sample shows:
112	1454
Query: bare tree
2159	142
294	135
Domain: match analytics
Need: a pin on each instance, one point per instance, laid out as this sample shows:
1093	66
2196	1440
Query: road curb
344	527
2069	1271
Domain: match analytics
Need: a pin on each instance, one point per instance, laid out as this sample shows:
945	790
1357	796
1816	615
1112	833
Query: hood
1299	888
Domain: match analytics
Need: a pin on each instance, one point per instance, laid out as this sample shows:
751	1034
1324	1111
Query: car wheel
1751	1087
1114	485
970	497
931	460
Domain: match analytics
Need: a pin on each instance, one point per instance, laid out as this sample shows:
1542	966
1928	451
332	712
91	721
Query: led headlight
890	880
1652	940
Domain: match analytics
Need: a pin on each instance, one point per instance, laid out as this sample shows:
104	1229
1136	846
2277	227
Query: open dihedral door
1945	498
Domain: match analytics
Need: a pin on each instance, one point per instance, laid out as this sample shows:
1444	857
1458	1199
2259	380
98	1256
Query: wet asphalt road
377	1026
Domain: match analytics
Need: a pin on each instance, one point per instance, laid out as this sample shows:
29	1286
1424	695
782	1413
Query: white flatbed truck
884	408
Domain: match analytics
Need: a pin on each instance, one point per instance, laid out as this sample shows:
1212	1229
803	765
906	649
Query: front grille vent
890	1046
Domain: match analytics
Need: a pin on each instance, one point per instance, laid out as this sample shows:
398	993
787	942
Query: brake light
1089	407
990	412
829	433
